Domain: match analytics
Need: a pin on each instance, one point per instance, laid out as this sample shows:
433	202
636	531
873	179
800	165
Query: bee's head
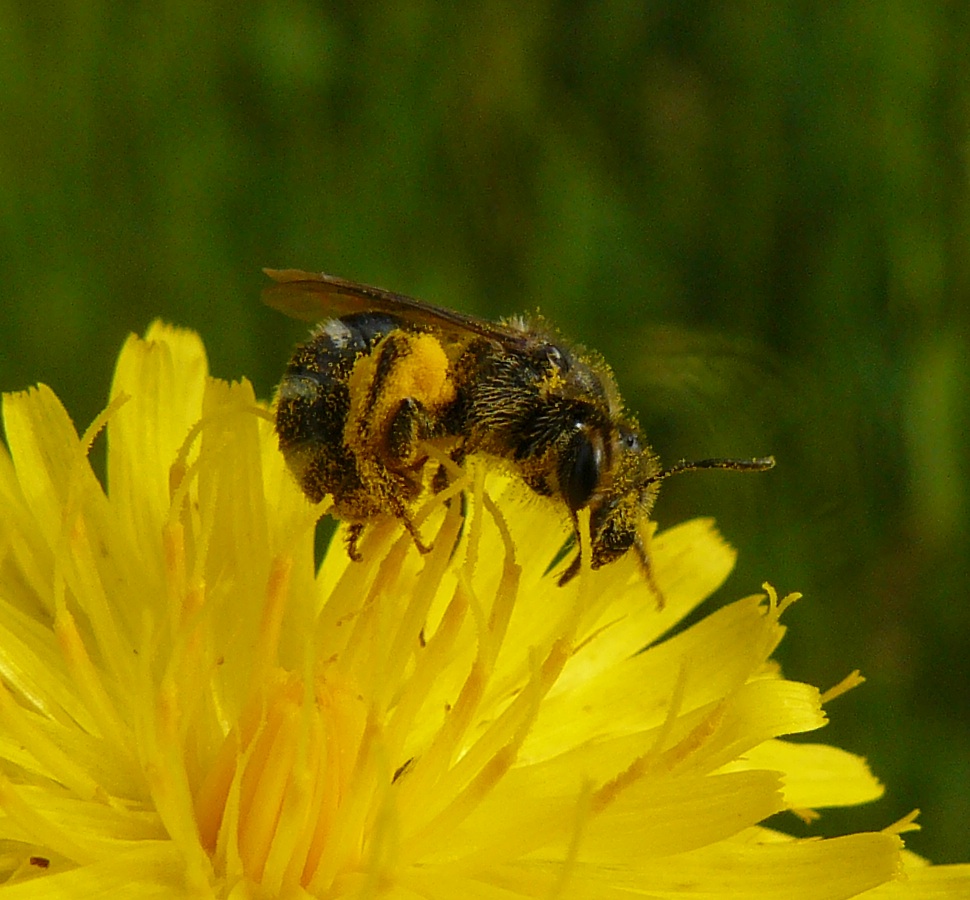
629	490
624	482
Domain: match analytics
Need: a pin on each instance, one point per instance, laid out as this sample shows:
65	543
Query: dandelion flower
189	707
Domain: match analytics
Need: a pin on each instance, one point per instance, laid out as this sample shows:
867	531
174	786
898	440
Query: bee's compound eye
556	358
579	469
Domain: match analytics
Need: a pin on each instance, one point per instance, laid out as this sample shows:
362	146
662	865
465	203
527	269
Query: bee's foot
353	539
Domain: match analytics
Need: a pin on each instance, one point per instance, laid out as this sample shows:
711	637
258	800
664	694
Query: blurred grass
758	212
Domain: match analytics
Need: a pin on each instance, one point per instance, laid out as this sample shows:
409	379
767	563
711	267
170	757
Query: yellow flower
189	708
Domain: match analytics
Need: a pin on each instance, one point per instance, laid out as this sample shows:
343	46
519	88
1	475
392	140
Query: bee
387	377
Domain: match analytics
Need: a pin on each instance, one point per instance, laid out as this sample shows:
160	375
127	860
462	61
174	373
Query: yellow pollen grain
552	383
423	373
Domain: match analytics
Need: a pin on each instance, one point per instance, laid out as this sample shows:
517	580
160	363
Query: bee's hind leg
408	428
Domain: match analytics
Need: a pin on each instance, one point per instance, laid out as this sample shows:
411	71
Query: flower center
273	803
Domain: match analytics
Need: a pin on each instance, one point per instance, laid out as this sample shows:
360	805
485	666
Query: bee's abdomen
313	402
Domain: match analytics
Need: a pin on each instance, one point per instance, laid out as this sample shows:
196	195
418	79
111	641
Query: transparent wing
311	297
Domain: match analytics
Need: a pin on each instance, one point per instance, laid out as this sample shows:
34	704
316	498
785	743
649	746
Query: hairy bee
362	401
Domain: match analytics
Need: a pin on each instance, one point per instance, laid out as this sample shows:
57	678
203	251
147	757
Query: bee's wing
311	297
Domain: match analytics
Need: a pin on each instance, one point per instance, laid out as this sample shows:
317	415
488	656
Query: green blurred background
760	213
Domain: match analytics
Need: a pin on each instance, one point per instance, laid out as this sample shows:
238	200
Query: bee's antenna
761	464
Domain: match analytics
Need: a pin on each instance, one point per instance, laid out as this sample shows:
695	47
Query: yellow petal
925	883
189	709
51	464
713	658
163	377
659	815
148	872
815	775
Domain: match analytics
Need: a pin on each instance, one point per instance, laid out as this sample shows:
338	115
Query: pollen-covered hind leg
408	427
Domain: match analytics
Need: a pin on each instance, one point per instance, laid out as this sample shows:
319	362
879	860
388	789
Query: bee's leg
356	529
441	479
408	427
399	508
643	557
354	532
413	531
